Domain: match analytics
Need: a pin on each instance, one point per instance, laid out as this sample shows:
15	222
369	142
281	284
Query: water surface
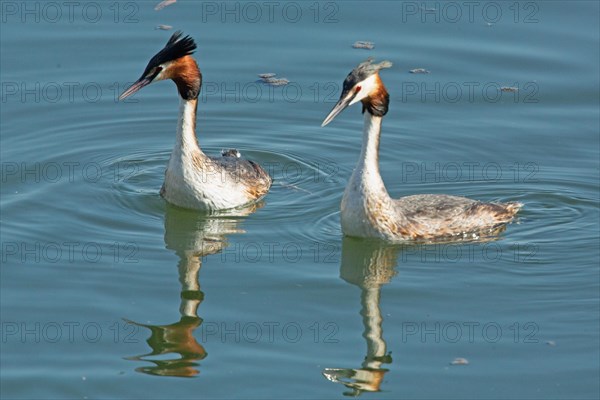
108	292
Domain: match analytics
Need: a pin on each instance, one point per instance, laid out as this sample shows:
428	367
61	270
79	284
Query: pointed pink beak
140	83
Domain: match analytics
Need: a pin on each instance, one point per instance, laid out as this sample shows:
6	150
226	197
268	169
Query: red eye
358	89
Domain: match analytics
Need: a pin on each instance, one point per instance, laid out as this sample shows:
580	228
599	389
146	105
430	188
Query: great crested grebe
367	209
193	179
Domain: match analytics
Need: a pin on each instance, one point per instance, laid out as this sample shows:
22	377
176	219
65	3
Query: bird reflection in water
368	265
192	236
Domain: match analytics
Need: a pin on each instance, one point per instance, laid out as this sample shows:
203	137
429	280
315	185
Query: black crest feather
363	71
176	47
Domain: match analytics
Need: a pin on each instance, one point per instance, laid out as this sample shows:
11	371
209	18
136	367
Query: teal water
108	292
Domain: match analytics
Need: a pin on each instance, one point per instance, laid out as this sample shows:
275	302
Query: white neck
186	133
367	168
365	196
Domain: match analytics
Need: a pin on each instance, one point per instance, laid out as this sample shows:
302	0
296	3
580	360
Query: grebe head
363	84
174	62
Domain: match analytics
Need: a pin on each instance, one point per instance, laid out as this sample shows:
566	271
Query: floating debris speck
510	89
551	343
269	79
276	81
361	44
163	4
460	361
164	27
419	71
